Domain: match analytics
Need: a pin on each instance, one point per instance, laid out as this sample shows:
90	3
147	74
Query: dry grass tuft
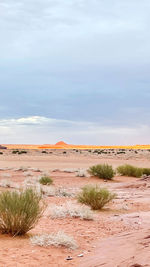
9	184
102	171
19	211
45	180
72	210
55	239
59	192
95	197
82	173
129	170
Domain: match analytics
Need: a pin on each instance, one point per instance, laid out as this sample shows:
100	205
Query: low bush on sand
129	170
95	197
72	210
46	180
54	239
103	171
58	192
146	171
15	151
8	184
19	211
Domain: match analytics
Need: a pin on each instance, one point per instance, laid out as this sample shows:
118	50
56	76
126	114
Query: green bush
146	171
23	152
15	151
95	197
103	171
129	170
45	180
19	211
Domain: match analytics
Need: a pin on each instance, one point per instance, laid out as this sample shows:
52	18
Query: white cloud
36	129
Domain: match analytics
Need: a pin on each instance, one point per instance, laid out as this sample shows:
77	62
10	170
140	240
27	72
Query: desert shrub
54	239
23	152
46	180
19	211
146	171
95	197
129	170
5	183
103	171
72	210
82	173
15	151
8	184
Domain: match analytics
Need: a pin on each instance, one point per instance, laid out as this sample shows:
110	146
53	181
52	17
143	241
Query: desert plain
117	236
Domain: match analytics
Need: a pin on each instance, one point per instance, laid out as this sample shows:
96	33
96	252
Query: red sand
115	238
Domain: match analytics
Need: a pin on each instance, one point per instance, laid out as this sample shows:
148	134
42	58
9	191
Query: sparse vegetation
129	170
46	180
103	171
19	211
5	183
8	184
55	239
72	210
60	191
82	173
15	151
146	171
95	197
22	152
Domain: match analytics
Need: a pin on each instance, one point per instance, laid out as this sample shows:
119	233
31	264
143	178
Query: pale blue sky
75	70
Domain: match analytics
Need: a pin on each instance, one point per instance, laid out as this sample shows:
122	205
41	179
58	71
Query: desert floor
119	235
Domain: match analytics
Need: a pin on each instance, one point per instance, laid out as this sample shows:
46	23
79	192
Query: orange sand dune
63	145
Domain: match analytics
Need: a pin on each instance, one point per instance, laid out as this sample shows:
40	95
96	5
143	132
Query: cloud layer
78	61
39	130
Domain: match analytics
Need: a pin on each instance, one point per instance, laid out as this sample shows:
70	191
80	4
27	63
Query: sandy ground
51	161
119	234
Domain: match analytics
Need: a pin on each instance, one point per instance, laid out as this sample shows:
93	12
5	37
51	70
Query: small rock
80	255
69	258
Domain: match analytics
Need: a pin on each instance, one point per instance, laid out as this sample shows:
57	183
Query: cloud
83	63
39	130
82	32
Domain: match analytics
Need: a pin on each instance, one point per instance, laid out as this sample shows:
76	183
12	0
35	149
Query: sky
75	70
